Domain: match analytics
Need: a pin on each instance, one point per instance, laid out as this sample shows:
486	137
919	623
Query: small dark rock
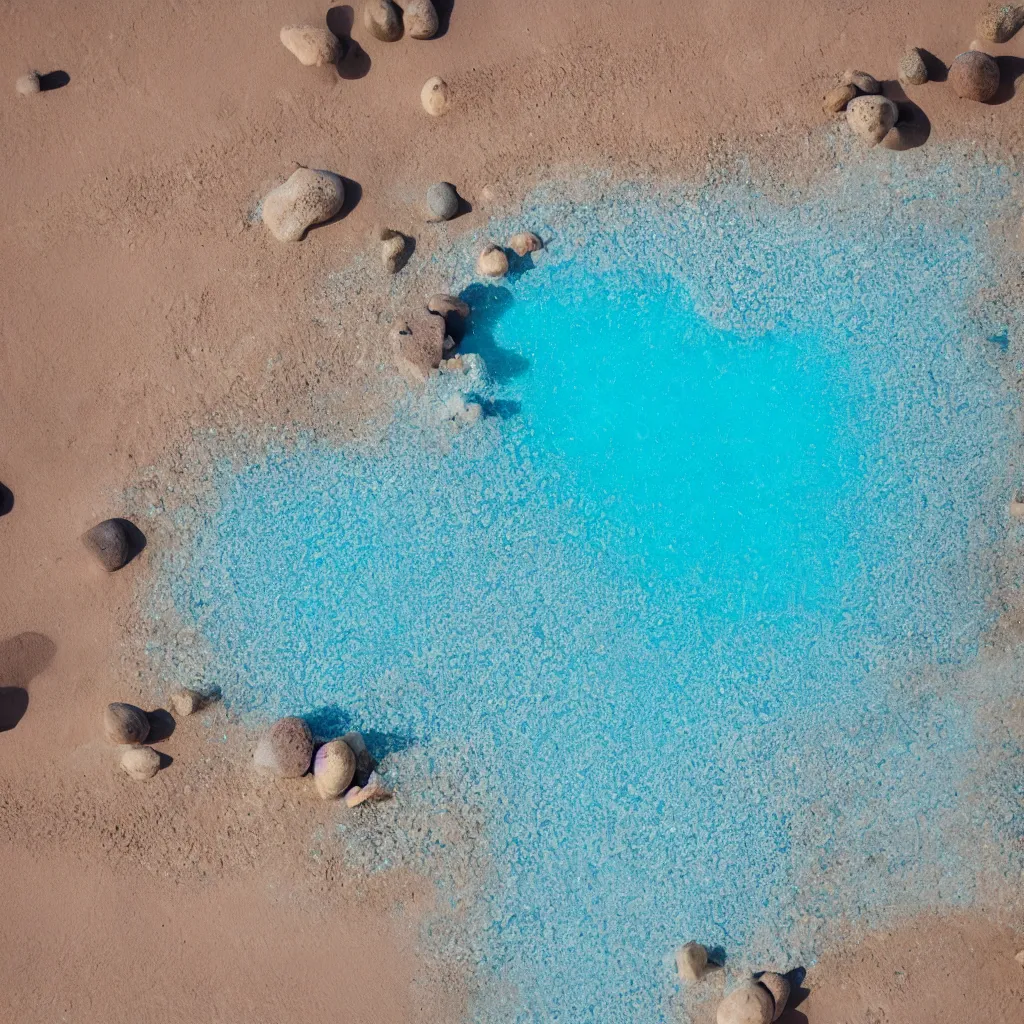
442	201
111	543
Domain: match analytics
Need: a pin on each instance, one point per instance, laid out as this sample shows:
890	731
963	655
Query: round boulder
442	201
492	262
691	961
308	197
285	749
1001	22
871	117
110	543
434	96
28	85
140	763
125	723
522	243
383	20
751	1003
837	98
314	47
334	768
912	69
974	76
861	81
778	985
420	19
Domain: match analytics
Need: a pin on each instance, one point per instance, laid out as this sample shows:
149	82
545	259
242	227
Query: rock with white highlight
373	790
751	1003
435	96
334	767
314	47
308	197
522	243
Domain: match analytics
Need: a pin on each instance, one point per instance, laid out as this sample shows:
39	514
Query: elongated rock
125	723
444	304
383	20
373	790
420	19
1001	22
837	98
140	763
862	81
778	985
334	768
185	702
974	76
285	749
308	197
314	47
364	759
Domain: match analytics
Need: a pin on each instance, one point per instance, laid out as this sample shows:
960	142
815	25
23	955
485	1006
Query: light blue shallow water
739	485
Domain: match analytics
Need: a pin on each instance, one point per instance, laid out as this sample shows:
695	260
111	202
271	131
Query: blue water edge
688	604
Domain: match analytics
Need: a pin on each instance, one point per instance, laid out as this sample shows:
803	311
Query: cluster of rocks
756	1000
342	767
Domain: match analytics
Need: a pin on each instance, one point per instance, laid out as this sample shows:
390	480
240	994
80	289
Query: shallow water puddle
737	492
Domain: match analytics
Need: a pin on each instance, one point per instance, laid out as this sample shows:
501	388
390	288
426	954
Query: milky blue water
738	485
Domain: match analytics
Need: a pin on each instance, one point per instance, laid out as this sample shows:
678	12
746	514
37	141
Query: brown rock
383	19
522	243
185	702
417	345
871	117
1000	22
749	1004
110	543
912	69
444	304
140	763
285	749
314	47
308	197
334	767
492	262
862	81
28	85
392	250
434	96
125	723
974	76
837	98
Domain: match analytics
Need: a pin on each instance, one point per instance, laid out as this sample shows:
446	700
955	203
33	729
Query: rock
442	201
434	96
778	986
140	763
28	85
383	19
751	1003
308	197
492	262
522	243
334	767
185	702
392	250
912	69
373	790
314	47
837	98
691	961
364	759
444	304
285	749
1000	22
862	81
417	345
974	76
125	723
461	411
871	117
420	19
110	543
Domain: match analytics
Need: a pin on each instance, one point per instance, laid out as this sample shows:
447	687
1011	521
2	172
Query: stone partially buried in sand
314	47
334	768
125	723
974	76
778	985
140	763
420	19
492	262
434	96
308	197
442	201
691	961
751	1003
28	85
417	347
1001	22
373	790
285	749
110	542
871	117
912	69
383	20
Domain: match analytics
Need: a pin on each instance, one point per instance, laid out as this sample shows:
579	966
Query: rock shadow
1010	70
331	722
136	539
488	304
937	70
53	80
444	10
22	658
6	500
913	127
353	61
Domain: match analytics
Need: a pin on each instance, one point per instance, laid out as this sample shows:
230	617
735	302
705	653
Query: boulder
364	759
285	749
420	19
1000	22
837	98
778	986
974	76
185	702
522	243
492	262
334	767
373	790
383	20
912	69
444	304
861	81
434	96
442	201
125	723
140	763
691	961
314	47
308	197
751	1003
28	85
110	543
871	117
417	346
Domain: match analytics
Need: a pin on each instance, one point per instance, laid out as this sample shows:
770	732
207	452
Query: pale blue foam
741	479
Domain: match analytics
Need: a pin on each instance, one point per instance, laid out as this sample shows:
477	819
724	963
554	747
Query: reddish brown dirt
139	303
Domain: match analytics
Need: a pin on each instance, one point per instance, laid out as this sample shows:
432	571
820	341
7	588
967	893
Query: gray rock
383	19
334	768
110	543
285	749
420	19
140	763
1001	22
442	201
125	723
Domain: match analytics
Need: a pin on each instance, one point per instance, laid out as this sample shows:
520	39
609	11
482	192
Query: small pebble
308	197
974	76
862	81
383	19
420	19
140	763
837	98
1000	22
110	543
417	346
285	749
28	85
691	961
125	723
778	985
314	47
444	304
751	1003
434	96
522	243
373	790
912	69
334	767
492	262
871	117
364	759
442	201
185	702
392	250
